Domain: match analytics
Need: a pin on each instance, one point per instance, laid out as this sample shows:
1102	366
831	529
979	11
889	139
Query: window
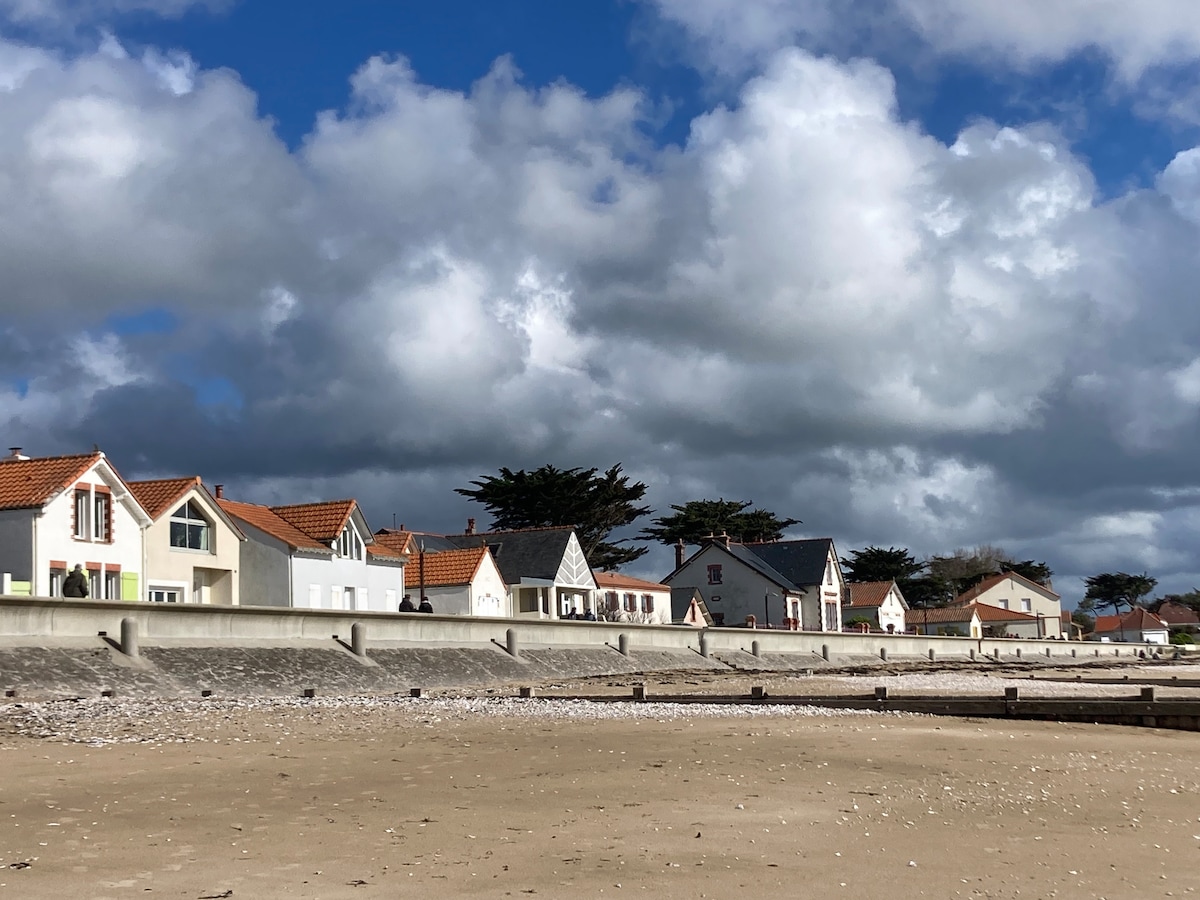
82	502
190	530
348	598
829	573
610	601
94	584
714	574
631	603
112	585
1026	605
1003	604
102	517
56	581
647	603
164	595
350	545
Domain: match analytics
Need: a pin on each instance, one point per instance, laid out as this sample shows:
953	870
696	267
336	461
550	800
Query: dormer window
350	545
189	529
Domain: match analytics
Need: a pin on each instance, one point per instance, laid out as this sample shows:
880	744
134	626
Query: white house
790	584
622	598
463	582
193	548
59	511
314	556
1008	590
1138	625
544	569
879	602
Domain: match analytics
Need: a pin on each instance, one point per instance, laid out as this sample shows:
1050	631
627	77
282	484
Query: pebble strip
112	721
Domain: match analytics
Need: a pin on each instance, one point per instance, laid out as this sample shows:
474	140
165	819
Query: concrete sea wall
75	647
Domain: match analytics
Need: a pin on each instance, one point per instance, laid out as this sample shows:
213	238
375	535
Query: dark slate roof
526	553
800	563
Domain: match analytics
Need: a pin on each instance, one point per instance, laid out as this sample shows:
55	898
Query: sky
916	272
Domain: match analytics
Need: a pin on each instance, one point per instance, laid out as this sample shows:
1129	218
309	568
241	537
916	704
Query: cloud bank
811	302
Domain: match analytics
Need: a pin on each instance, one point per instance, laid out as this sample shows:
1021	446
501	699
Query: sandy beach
489	797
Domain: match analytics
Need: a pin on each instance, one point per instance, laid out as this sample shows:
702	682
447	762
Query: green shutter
129	586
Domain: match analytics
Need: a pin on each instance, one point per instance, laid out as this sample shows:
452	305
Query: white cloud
59	14
1136	37
811	301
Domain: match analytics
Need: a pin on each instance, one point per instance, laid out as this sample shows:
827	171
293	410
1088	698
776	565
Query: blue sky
915	272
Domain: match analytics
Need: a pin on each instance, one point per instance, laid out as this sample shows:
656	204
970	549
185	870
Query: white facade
620	598
107	540
734	592
194	574
572	587
1019	594
275	572
485	594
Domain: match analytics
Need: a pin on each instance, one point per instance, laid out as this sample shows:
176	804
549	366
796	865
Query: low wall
28	620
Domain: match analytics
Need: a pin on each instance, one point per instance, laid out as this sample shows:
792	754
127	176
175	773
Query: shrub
1182	637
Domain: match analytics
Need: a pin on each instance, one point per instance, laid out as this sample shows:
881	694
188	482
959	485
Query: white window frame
83	503
1026	605
101	516
350	543
178	588
187	521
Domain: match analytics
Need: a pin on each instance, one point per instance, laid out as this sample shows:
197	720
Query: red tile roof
616	580
869	594
940	614
397	540
31	483
320	521
1177	614
1137	619
264	519
446	568
384	551
159	496
988	613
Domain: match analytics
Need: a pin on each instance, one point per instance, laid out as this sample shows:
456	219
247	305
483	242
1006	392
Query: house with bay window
314	556
60	511
193	547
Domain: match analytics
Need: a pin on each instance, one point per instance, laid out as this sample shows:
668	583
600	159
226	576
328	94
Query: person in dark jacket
75	584
425	606
406	605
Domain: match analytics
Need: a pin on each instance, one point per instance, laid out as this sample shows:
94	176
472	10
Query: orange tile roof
384	551
30	483
264	519
446	568
617	580
396	540
158	496
988	613
320	521
869	593
938	614
1136	619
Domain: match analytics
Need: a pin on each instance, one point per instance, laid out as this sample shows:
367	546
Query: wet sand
502	799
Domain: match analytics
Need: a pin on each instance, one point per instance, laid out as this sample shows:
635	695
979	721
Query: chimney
15	453
470	526
679	551
724	539
220	492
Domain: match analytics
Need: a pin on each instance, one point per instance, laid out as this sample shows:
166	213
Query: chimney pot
220	491
679	550
470	526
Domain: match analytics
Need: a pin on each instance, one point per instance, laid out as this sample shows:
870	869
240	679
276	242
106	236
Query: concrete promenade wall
26	620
